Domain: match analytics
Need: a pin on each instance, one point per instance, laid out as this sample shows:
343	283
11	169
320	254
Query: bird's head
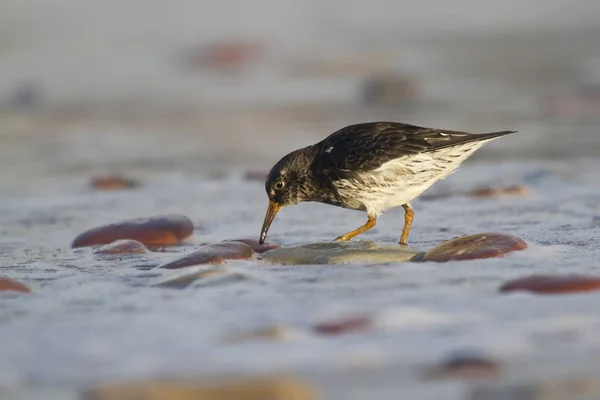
286	185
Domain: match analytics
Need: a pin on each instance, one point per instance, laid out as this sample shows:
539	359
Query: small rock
465	367
272	388
505	191
10	285
121	247
481	245
553	284
113	182
260	176
162	230
212	254
342	326
189	275
258	248
363	252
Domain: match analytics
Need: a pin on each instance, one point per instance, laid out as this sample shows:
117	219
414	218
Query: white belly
401	180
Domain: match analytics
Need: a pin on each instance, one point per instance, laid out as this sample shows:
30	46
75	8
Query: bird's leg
368	225
408	219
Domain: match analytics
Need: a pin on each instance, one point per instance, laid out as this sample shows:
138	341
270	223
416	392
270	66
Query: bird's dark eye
279	185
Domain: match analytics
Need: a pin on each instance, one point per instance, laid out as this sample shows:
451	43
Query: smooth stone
363	252
257	247
472	247
10	285
186	276
212	254
113	182
553	284
260	176
501	191
160	230
465	367
121	247
271	388
355	324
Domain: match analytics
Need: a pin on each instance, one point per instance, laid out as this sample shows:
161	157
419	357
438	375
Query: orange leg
368	225
408	219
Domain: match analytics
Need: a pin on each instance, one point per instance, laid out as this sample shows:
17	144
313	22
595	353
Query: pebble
501	191
160	230
361	252
121	247
10	285
271	388
258	248
113	182
472	247
465	367
553	284
259	176
212	254
346	325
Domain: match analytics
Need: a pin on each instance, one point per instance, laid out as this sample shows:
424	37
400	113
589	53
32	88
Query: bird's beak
271	213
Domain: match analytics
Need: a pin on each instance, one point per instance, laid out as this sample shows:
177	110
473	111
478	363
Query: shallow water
89	320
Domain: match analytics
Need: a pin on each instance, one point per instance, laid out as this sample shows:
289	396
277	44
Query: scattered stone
189	275
258	248
161	230
273	388
481	245
465	367
212	254
342	326
502	191
390	89
121	247
363	252
553	284
260	176
10	285
224	55
113	182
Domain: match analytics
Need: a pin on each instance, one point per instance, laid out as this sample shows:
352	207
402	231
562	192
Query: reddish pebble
257	247
10	285
553	284
125	246
113	182
348	325
506	191
481	245
162	230
212	254
466	367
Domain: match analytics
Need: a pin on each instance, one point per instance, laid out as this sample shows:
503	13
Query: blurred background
214	88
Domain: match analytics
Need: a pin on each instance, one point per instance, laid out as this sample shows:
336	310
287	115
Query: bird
370	167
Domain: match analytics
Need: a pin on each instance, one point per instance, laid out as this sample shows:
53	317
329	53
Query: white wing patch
329	150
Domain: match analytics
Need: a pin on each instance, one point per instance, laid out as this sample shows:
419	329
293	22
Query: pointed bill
271	213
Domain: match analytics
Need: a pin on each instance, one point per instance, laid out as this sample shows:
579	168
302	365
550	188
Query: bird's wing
367	146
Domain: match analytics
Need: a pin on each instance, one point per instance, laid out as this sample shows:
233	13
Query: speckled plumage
372	167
